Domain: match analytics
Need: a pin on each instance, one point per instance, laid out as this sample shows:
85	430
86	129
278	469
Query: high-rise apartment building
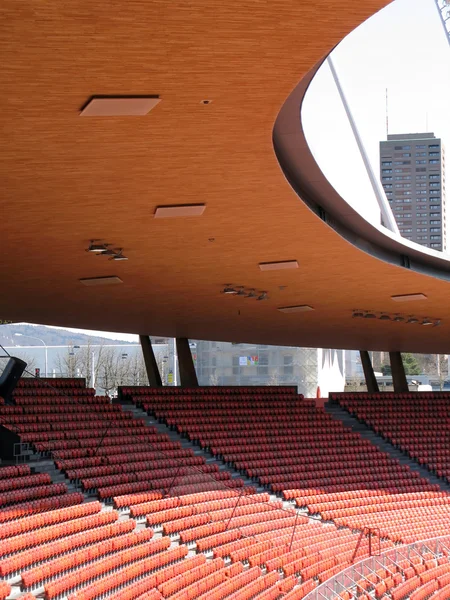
412	171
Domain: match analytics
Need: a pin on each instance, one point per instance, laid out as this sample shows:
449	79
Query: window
402	147
421	154
401	185
387	178
435	237
435	230
263	362
422	223
288	367
402	200
407	231
408	154
386	163
402	162
435	222
435	245
420	147
421	185
434	207
433	176
421	177
386	170
433	146
236	367
421	214
435	214
420	169
422	237
434	154
423	230
433	161
421	192
387	185
421	162
435	184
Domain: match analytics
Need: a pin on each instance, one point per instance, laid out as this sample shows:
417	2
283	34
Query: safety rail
24	452
348	579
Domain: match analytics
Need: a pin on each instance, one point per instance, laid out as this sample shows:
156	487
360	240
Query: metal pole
443	5
383	203
46	361
175	378
93	369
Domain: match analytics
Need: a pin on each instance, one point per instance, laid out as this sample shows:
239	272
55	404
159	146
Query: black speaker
10	376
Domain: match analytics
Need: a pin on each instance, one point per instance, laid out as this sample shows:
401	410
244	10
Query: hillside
50	335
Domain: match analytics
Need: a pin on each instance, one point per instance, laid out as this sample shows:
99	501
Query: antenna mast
387	115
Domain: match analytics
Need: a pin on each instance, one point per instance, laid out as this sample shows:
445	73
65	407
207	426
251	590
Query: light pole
31	337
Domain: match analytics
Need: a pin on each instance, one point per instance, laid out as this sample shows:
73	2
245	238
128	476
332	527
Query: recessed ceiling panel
293	309
409	297
119	107
277	266
180	210
91	281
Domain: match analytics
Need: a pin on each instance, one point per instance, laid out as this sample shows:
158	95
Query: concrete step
340	414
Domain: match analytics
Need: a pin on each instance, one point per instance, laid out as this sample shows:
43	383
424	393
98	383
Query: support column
398	373
369	375
153	374
188	376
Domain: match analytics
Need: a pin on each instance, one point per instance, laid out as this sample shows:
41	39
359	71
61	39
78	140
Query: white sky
125	337
402	48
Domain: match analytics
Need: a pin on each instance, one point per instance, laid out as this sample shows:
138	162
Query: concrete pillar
398	373
369	375
153	374
188	376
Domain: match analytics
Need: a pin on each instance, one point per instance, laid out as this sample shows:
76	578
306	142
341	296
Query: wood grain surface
65	180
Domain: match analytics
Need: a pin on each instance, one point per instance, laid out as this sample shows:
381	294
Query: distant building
223	363
412	171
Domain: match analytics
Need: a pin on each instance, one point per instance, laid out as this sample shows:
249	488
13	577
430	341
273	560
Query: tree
386	370
68	363
31	363
442	369
410	364
214	379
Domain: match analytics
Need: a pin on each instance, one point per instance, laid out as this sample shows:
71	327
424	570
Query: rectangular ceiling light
180	210
409	297
294	309
90	281
278	266
119	107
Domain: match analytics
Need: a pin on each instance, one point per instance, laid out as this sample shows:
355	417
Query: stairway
340	414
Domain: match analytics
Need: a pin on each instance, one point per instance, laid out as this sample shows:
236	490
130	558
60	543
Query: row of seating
51	382
20	393
210	390
418	425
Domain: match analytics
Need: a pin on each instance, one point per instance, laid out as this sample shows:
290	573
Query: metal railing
348	579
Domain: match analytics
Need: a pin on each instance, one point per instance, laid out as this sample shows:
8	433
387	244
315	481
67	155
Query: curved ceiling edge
306	178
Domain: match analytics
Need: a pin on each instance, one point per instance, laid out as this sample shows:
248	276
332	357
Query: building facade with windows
412	172
223	363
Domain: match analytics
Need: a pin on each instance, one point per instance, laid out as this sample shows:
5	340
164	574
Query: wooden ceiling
66	179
